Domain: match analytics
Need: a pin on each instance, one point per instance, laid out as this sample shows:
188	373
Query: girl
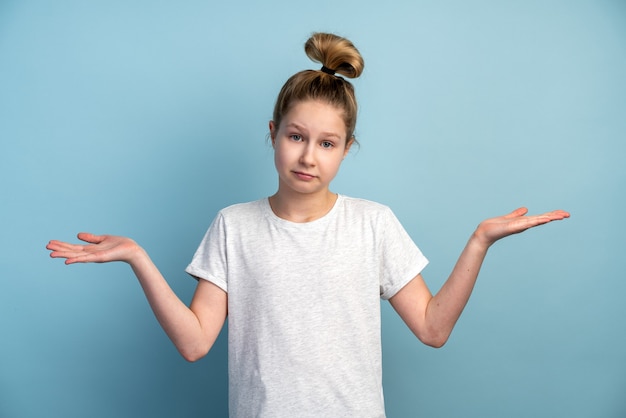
300	274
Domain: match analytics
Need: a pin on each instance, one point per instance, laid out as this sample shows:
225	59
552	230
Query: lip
304	176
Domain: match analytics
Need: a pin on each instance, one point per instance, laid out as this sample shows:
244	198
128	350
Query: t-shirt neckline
284	222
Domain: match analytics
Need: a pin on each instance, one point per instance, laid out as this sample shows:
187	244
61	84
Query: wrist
479	242
135	254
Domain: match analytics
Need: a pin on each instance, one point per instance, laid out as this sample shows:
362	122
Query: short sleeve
401	259
210	261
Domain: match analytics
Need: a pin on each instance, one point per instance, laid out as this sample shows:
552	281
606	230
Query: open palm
100	249
491	230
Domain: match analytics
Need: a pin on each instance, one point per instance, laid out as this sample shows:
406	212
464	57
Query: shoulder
355	204
243	207
362	212
243	211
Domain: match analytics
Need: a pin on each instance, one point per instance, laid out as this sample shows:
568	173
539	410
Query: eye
296	137
327	144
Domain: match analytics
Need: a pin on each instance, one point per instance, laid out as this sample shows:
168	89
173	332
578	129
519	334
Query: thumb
91	238
517	212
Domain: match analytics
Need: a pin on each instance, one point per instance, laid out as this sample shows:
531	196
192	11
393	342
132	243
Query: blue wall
143	118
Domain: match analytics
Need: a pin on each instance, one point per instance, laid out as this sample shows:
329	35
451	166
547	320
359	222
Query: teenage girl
300	274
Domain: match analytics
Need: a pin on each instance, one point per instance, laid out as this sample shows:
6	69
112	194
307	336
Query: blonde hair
337	55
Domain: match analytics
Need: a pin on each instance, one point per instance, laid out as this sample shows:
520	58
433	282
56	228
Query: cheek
281	157
277	161
333	165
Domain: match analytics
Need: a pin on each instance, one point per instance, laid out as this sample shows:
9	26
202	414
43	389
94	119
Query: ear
348	145
272	127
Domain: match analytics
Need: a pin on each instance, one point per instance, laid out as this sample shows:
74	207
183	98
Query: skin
309	145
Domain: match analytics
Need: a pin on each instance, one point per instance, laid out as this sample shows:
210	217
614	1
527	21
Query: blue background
143	118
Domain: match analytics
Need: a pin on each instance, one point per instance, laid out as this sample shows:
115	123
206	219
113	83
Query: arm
432	318
194	329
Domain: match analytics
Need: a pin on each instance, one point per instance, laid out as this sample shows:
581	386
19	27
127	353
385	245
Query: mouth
304	176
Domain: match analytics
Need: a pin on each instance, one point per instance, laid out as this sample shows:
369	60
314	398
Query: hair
338	55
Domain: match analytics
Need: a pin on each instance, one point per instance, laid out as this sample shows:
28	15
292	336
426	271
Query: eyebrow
302	128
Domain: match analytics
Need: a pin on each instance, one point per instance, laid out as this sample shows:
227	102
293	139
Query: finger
63	246
87	258
516	213
66	254
91	238
560	214
53	245
555	215
547	217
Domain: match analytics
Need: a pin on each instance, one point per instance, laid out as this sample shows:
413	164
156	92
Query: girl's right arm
193	329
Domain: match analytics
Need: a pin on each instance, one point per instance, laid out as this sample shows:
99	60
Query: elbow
434	339
435	342
191	358
193	355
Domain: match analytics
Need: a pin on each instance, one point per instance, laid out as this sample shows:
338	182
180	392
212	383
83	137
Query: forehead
316	115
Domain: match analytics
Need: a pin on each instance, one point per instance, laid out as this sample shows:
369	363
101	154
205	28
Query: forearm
445	308
178	321
193	329
432	318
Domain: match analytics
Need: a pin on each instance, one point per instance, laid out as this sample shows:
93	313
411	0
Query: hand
101	249
491	230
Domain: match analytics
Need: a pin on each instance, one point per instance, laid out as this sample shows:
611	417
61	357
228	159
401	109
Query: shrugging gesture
432	318
302	298
192	329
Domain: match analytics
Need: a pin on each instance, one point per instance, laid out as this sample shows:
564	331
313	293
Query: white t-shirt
304	305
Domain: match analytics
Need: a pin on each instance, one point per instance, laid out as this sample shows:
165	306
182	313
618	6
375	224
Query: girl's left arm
432	318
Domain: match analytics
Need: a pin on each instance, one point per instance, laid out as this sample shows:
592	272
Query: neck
302	207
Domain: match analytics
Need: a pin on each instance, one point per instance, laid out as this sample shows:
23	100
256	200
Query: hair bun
336	53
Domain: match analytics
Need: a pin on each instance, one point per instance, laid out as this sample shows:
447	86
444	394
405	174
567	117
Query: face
309	146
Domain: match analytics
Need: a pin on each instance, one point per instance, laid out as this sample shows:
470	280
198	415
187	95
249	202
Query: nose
307	157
